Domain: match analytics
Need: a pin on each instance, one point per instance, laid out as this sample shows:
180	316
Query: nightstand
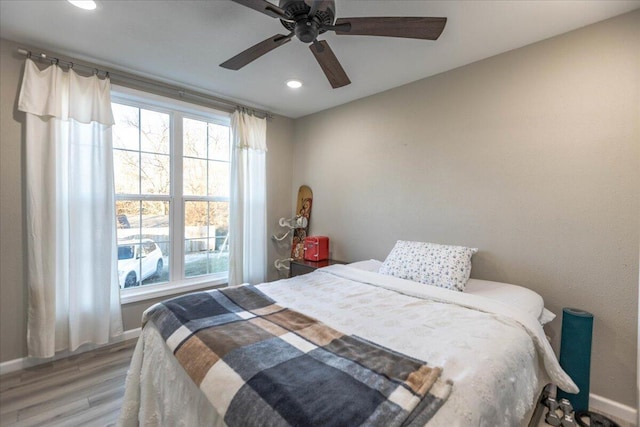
300	266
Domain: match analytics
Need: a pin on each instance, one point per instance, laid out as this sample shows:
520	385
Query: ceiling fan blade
329	64
265	7
256	51
313	7
317	5
407	27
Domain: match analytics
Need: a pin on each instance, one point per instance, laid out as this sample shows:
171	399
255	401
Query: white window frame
177	110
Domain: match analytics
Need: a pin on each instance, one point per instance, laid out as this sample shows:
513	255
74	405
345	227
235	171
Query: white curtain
72	257
247	211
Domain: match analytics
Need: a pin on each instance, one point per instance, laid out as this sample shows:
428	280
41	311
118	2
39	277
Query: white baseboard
611	407
28	362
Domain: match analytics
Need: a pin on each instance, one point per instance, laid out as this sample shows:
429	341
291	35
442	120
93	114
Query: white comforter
498	358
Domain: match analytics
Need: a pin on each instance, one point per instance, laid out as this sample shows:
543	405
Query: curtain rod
143	83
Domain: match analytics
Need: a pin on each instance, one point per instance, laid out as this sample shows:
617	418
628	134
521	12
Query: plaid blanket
262	364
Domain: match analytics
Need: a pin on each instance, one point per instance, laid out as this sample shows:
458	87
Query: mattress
496	356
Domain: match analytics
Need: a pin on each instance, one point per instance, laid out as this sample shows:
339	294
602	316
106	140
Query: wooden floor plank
50	390
9	380
89	417
88	393
8	419
107	395
107	360
54	412
51	405
84	389
29	375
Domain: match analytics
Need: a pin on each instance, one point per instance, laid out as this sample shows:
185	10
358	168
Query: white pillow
444	266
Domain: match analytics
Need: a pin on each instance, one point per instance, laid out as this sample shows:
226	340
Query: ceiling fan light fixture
84	4
294	84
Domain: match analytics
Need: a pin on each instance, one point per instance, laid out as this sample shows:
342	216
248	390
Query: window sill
147	292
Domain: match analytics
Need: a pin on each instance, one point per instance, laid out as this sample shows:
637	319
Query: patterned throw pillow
444	266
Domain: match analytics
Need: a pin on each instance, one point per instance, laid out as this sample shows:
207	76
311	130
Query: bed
486	343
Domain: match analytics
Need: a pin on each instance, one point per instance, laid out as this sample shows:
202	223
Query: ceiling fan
306	19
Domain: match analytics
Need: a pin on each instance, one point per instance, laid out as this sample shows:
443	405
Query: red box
316	248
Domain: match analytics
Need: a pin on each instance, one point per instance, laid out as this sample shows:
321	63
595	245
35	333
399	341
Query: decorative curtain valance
52	92
74	294
249	131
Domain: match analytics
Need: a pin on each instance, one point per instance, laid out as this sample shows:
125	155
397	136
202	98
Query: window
206	195
171	169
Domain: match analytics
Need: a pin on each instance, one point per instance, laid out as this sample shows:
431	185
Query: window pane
129	263
126	171
206	219
196	220
218	262
155	221
143	242
219	179
195	138
155	242
197	243
125	130
155	174
219	218
218	142
128	219
142	260
196	256
156	263
206	245
222	244
154	132
194	177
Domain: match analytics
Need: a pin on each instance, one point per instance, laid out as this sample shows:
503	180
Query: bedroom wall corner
280	131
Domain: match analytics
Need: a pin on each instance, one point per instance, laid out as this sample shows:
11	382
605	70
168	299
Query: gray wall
13	294
532	156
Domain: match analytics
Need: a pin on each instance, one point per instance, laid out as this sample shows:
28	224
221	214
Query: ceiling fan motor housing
307	28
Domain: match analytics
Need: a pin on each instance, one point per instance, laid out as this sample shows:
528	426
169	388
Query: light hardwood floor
81	390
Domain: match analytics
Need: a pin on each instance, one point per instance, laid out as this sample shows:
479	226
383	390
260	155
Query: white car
137	261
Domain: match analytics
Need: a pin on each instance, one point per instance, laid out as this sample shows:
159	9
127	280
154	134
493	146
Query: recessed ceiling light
294	84
83	4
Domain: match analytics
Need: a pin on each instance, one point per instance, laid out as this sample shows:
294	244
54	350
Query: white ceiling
182	42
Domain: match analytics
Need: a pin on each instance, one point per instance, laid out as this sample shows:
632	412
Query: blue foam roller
575	354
